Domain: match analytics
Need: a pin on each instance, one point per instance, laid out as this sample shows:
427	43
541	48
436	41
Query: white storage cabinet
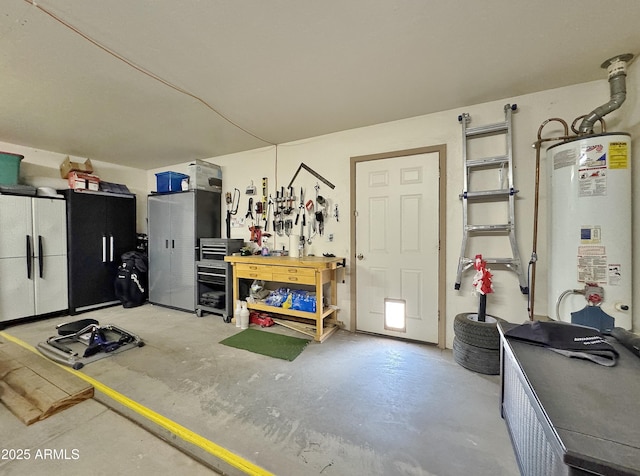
33	257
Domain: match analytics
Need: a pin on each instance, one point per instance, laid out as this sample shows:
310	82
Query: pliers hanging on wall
250	209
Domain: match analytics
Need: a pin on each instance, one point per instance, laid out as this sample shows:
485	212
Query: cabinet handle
104	249
173	244
40	256
28	257
293	278
253	275
253	267
111	250
166	244
292	270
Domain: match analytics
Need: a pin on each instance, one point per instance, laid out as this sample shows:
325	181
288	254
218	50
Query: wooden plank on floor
33	387
18	405
296	326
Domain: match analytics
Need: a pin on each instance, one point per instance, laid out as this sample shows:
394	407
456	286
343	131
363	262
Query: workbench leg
236	291
319	301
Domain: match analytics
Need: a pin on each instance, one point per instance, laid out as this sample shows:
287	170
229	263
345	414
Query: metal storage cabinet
214	276
176	222
33	257
100	228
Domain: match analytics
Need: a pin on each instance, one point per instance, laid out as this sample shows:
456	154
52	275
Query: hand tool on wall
312	221
321	212
265	190
232	207
250	209
267	213
301	211
275	210
335	212
320	221
278	225
312	172
303	222
290	199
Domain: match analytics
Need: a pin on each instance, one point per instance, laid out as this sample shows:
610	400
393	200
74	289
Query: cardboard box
205	176
80	181
67	166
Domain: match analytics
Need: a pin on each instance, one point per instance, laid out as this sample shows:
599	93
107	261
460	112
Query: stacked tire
476	345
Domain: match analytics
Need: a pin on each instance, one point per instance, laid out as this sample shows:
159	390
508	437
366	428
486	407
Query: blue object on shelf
170	181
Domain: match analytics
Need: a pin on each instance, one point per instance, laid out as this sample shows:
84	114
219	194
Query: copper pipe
534	255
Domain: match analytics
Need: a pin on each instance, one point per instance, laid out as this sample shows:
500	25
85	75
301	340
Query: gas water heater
590	226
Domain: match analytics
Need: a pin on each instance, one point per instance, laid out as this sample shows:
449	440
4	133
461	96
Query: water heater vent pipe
617	71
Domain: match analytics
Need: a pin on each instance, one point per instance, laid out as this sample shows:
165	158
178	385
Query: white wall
330	156
40	168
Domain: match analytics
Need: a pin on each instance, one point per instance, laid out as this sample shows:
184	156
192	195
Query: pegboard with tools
278	215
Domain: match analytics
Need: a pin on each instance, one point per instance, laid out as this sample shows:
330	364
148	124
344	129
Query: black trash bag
131	284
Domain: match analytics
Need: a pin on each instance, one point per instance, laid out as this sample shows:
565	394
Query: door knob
360	256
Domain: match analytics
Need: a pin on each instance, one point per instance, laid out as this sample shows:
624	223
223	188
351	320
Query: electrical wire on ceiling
143	70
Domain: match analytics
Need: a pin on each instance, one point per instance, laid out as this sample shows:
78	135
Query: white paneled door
397	237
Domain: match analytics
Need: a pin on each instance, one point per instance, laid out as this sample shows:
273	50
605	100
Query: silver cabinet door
159	231
183	249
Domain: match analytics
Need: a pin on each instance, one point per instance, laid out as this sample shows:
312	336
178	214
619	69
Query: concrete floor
353	405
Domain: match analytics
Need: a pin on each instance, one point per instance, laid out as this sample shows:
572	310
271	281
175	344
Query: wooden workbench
313	271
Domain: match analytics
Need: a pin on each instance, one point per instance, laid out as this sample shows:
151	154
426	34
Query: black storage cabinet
100	228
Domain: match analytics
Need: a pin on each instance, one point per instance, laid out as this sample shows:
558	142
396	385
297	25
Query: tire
470	331
476	359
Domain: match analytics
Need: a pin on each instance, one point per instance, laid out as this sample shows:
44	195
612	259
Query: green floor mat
267	343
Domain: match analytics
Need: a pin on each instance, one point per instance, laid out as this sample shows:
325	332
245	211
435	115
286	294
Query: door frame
441	150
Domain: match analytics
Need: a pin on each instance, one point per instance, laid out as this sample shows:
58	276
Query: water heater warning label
592	182
592	264
615	274
618	155
592	171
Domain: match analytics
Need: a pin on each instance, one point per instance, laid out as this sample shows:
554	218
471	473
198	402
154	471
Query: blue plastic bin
10	168
169	181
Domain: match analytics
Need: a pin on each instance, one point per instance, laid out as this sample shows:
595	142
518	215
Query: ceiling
150	83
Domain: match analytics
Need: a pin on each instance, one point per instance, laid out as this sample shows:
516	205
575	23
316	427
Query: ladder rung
503	192
488	161
489	228
503	261
487	129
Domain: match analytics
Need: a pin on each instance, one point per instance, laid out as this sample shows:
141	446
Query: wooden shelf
327	311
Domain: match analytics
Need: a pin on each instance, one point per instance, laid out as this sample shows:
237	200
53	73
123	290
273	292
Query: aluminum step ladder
507	194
